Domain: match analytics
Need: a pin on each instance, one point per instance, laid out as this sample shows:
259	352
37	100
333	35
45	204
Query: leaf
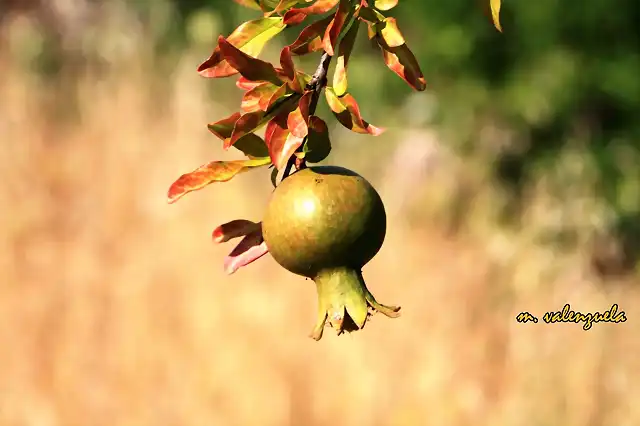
274	176
234	229
289	70
250	38
252	145
215	171
298	118
251	68
495	13
310	38
251	4
257	98
335	26
246	124
298	15
244	84
344	52
318	145
391	33
346	110
223	128
251	248
371	15
281	142
385	4
401	61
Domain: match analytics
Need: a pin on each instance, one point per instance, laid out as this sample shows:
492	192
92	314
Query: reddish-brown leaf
335	26
346	110
317	8
257	99
250	38
251	248
246	124
277	95
344	52
251	68
223	128
310	38
282	144
244	84
289	70
401	61
215	171
294	18
234	229
297	119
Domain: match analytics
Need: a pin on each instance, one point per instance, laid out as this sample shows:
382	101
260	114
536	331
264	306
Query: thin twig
317	83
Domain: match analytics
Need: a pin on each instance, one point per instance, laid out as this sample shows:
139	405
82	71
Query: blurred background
512	184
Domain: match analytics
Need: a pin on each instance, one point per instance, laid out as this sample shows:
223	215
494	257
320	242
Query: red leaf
335	27
250	38
251	68
346	110
234	229
310	38
245	84
251	248
282	144
286	62
215	171
294	18
258	98
246	124
297	120
223	128
317	8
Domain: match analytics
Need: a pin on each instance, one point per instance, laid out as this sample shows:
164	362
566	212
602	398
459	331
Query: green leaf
215	171
252	145
346	110
250	38
318	145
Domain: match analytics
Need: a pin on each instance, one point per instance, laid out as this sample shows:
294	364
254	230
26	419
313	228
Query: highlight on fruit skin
325	223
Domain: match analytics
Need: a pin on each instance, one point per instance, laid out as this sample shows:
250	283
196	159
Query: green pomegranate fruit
326	223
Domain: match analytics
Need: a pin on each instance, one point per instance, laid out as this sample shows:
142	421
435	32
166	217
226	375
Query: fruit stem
317	83
345	302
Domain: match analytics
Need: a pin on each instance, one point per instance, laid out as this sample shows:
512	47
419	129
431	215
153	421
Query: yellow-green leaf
495	13
385	4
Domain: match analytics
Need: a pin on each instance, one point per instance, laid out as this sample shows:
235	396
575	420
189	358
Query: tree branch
317	83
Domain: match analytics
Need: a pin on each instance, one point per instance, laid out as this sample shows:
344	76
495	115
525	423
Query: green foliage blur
563	79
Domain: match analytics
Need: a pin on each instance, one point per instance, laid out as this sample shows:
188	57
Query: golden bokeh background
115	310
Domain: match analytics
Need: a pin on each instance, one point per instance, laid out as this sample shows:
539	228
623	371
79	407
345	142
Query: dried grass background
114	308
